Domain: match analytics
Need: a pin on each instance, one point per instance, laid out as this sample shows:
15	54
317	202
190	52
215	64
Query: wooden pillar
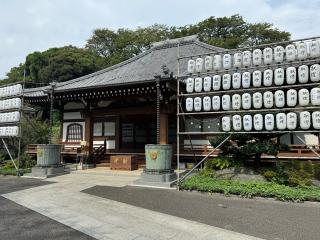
88	133
163	128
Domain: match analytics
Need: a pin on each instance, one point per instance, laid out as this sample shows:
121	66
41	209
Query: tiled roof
141	68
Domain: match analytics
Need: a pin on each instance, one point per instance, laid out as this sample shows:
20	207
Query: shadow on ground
266	219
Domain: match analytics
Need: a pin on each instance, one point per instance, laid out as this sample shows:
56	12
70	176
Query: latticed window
74	132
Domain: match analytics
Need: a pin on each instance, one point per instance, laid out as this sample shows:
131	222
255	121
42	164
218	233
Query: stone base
157	180
46	172
158	177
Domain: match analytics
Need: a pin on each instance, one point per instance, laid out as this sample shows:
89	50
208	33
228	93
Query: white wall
72	115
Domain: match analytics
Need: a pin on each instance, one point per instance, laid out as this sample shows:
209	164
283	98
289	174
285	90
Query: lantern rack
181	95
17	124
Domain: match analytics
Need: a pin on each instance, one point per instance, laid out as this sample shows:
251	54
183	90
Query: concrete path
107	219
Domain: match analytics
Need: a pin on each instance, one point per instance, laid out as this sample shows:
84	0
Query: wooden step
103	165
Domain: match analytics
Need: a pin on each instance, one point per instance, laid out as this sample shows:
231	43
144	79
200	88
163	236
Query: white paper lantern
207	84
2	131
15	131
6	104
304	97
268	99
227	61
191	66
267	77
258	122
11	90
189	104
206	103
226	81
226	123
1	105
302	51
267	55
291	121
16	116
216	82
226	102
279	98
246	101
208	63
246	58
290	52
269	122
7	131
314	48
278	54
281	121
199	65
292	97
236	101
257	100
247	122
5	92
316	120
236	80
256	78
16	104
198	84
1	92
303	74
291	75
2	117
278	76
315	96
305	120
257	57
217	62
190	85
197	104
216	103
246	79
236	122
315	73
18	89
237	60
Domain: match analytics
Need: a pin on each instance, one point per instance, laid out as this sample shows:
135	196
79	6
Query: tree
242	147
59	64
120	45
226	32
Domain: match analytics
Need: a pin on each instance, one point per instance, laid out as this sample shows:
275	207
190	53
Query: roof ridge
162	45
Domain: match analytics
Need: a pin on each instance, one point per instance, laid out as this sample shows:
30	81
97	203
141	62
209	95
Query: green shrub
270	175
220	162
299	178
251	189
9	164
26	161
207	172
308	167
316	168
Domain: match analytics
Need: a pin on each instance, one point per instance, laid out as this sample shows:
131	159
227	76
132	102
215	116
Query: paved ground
266	219
18	222
102	218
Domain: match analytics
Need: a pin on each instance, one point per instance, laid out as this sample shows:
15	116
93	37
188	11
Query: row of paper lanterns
270	122
9	91
257	100
13	103
9	131
257	57
256	79
10	117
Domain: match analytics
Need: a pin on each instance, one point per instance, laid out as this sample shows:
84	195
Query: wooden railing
98	154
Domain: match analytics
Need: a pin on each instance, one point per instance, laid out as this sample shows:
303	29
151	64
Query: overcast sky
36	25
